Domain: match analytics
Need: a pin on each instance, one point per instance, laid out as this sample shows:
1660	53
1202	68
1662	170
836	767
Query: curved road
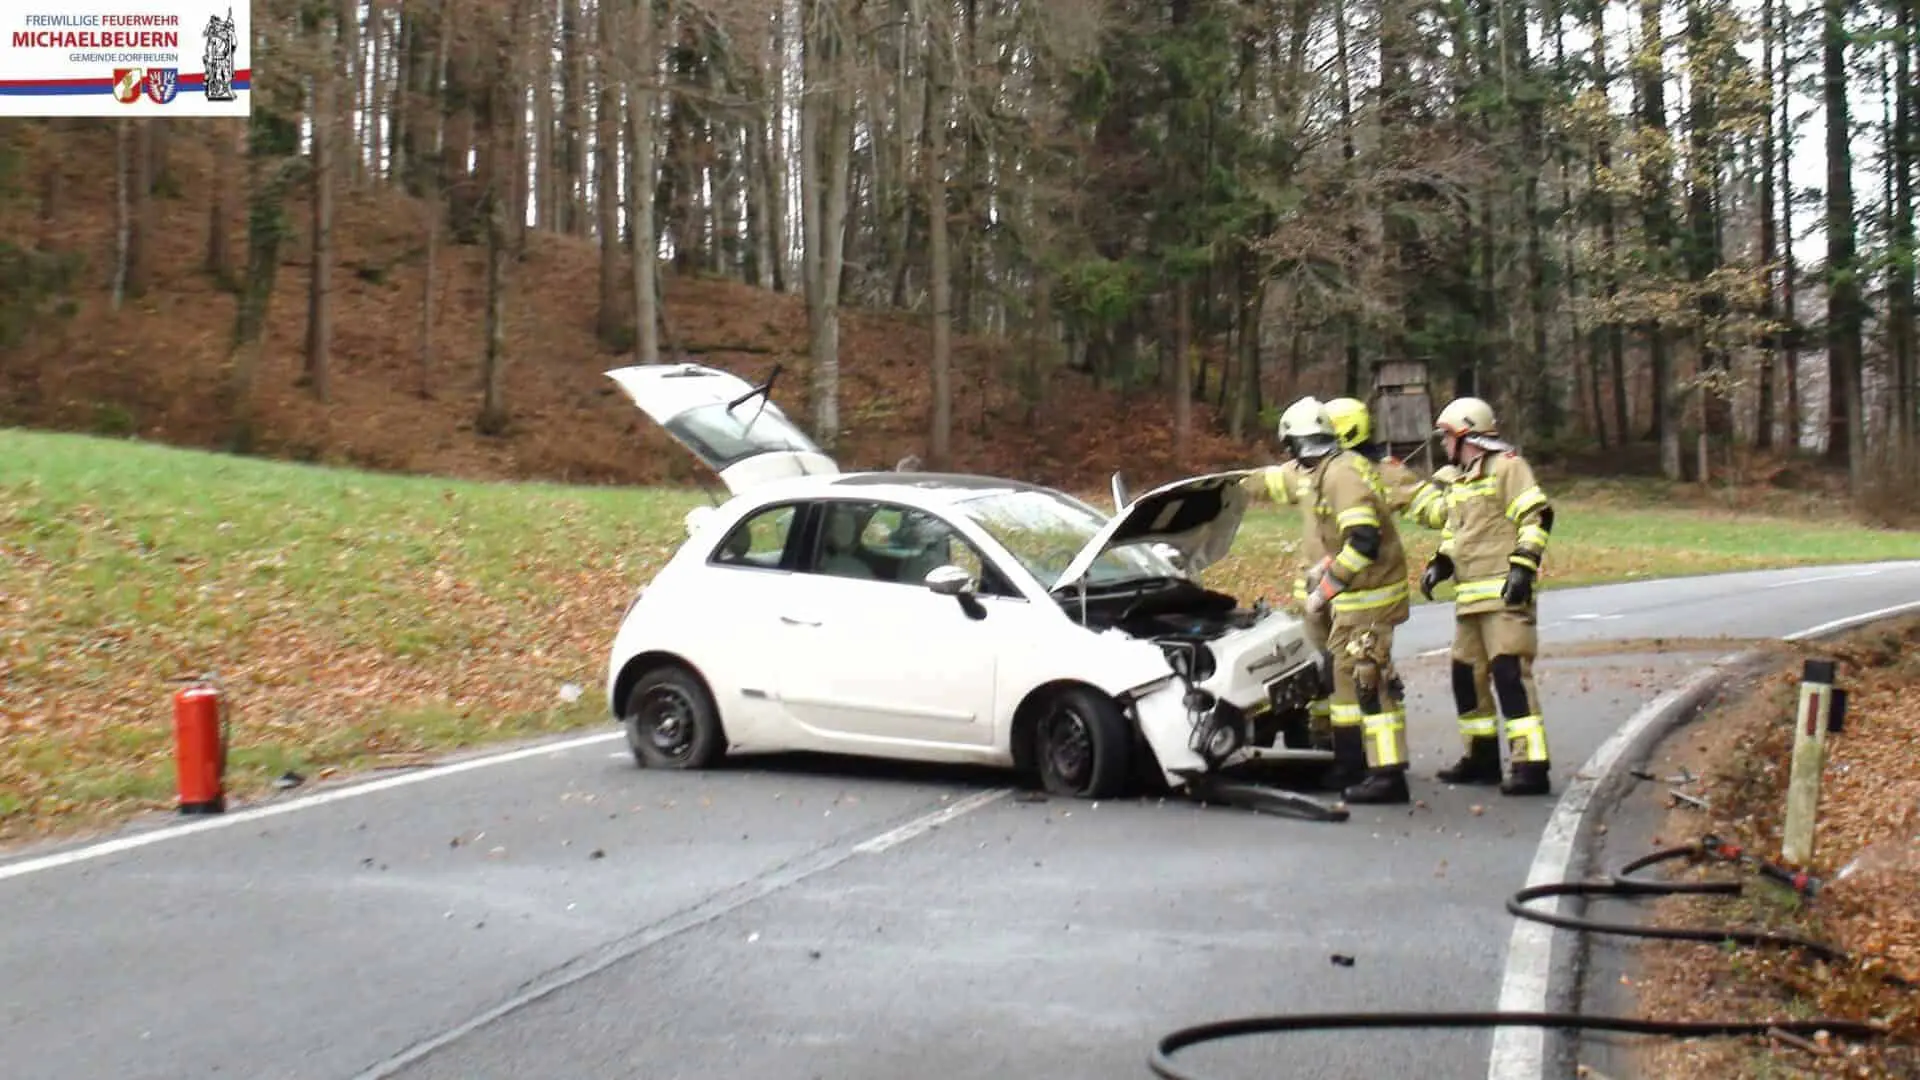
558	912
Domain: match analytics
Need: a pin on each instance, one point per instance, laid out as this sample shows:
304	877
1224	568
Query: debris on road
1342	960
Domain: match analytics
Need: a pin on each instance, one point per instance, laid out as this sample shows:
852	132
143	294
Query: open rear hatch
728	423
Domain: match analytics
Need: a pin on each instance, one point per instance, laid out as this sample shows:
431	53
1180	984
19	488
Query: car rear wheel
1081	745
672	722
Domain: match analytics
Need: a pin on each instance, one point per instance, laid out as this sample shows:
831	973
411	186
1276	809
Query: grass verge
1867	850
356	618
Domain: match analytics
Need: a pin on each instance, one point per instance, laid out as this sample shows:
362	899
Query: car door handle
791	621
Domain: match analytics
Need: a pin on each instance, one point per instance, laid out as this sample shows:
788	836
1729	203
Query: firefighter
1363	581
1290	484
1420	501
1498	521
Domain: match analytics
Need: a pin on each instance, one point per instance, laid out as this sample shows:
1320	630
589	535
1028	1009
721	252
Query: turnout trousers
1493	654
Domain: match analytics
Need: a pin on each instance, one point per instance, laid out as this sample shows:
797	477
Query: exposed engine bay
1171	609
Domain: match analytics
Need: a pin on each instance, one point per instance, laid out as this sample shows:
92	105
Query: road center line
710	910
1519	1053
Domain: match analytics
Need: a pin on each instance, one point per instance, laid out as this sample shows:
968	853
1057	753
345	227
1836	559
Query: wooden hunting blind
1402	405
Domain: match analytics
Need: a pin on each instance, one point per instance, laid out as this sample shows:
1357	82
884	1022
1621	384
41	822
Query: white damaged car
945	618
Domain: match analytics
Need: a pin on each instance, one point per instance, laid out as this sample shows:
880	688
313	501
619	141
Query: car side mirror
949	580
953	581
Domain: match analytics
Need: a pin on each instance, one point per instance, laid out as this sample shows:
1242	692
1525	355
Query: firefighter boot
1349	758
1385	785
1529	778
1479	765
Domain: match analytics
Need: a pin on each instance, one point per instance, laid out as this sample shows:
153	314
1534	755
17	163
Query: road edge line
20	867
1527	981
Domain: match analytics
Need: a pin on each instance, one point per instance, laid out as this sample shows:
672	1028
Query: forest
1676	231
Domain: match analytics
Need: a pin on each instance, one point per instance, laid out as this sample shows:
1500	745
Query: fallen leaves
1867	851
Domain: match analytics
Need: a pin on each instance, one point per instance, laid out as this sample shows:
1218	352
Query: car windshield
1045	531
724	436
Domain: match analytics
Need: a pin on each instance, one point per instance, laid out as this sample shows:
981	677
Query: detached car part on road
947	618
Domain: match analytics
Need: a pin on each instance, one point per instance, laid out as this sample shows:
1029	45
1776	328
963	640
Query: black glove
1518	590
1439	569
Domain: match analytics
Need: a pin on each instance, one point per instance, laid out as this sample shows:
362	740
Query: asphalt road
566	914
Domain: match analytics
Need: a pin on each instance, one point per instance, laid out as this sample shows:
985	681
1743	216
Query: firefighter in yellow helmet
1498	521
1423	502
1363	580
1291	484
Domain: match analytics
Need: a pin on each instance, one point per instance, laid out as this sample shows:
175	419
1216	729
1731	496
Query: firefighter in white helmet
1362	578
1291	484
1497	525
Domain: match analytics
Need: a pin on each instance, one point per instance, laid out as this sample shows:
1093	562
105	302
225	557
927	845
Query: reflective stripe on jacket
1493	522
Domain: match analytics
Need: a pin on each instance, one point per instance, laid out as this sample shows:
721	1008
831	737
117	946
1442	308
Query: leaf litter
1866	853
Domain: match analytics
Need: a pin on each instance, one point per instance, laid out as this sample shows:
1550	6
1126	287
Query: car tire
1081	745
671	721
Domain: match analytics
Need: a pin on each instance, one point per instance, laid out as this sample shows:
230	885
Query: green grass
1604	532
356	617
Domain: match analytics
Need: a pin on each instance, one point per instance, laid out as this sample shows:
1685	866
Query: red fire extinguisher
200	749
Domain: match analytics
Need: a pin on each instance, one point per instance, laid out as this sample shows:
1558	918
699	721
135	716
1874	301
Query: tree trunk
140	209
1656	211
221	146
939	258
825	128
606	188
329	99
1846	424
644	98
494	133
1900	305
1182	369
123	207
350	64
1769	351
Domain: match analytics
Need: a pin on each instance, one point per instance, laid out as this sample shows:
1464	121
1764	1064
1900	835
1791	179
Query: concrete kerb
1598	788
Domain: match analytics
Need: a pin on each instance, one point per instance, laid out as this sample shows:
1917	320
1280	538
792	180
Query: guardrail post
1821	709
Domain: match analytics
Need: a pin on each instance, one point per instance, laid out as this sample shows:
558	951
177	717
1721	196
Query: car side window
759	540
900	545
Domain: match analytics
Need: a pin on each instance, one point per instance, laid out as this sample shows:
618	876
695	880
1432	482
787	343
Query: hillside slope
155	367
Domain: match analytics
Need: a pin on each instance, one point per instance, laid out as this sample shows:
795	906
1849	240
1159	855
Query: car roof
922	488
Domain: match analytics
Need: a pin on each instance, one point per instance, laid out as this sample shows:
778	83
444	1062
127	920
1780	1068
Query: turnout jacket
1355	512
1290	484
1497	517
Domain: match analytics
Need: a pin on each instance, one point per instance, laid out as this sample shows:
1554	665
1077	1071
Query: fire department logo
160	84
127	83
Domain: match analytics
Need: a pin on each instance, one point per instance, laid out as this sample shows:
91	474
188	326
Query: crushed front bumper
1194	732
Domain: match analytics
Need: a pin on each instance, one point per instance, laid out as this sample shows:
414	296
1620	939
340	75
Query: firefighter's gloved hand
1446	474
1439	569
1322	587
1518	590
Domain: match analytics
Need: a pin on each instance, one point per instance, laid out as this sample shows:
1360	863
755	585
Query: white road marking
1819	578
241	817
1591	617
934	820
701	914
1519	1053
1435	652
1852	621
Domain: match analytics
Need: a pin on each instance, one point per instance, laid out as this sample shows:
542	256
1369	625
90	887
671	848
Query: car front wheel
672	722
1081	745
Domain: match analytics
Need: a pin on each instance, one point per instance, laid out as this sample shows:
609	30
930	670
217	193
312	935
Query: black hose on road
1621	884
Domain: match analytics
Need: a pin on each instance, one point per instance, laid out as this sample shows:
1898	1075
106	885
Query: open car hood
1198	517
731	425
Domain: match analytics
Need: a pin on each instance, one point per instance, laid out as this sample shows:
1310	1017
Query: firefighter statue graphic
222	44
